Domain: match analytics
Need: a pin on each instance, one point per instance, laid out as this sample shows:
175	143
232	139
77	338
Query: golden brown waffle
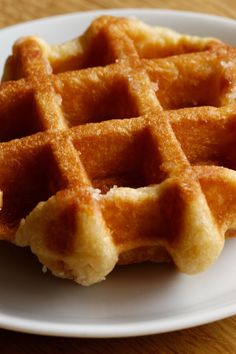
117	147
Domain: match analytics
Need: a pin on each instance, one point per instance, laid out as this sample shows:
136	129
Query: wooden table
218	337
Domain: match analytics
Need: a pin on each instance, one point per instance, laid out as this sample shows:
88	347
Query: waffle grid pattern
118	152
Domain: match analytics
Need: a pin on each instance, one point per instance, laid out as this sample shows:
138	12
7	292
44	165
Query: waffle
117	147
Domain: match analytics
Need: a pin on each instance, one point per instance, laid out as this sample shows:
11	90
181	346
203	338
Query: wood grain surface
218	337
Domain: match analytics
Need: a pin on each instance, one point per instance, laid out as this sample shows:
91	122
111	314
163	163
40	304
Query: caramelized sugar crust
117	147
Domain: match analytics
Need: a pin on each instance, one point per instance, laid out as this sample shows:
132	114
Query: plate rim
131	329
146	327
114	11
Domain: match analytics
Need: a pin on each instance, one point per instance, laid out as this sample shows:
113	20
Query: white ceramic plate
134	300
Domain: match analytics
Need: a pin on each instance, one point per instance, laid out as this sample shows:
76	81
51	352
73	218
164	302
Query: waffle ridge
117	147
